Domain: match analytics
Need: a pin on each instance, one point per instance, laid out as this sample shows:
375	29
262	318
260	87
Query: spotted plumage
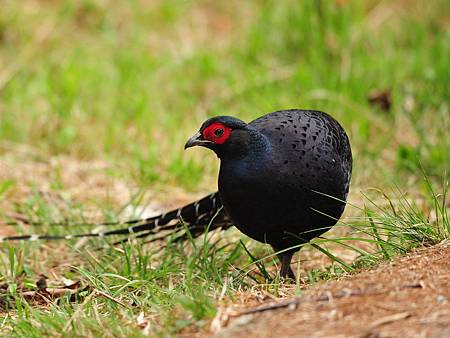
283	180
284	177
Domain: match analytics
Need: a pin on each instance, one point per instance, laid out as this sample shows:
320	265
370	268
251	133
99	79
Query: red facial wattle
217	133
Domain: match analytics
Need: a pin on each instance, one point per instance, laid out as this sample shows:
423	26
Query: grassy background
132	81
126	83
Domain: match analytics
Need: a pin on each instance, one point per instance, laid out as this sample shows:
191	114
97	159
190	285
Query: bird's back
310	146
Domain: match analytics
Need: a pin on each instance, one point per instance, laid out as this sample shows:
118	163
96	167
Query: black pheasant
283	180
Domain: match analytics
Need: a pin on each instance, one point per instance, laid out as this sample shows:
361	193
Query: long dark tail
198	216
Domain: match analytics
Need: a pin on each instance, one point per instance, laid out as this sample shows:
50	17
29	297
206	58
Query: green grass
127	83
180	286
131	82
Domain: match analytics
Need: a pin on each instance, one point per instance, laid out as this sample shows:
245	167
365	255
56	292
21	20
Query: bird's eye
218	132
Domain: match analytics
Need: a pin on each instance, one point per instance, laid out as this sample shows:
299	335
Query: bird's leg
286	271
285	259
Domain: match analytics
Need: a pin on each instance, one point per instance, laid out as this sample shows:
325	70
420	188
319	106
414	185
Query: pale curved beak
196	140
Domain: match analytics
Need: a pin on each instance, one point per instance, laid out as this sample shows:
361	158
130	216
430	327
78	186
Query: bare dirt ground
408	297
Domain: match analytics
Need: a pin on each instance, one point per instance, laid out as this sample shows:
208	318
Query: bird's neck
246	145
245	164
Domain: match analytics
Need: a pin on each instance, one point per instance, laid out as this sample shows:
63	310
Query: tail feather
198	215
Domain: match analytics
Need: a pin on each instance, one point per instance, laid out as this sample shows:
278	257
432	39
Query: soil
408	297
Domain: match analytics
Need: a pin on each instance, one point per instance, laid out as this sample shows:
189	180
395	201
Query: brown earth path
408	297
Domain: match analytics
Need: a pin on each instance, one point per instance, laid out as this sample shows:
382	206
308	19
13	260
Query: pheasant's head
219	134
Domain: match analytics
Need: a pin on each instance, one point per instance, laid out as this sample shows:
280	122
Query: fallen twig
390	319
